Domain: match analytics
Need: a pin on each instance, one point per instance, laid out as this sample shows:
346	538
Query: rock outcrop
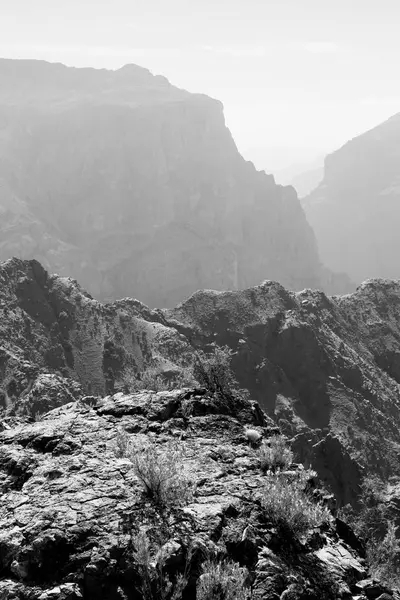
355	210
72	506
325	369
136	188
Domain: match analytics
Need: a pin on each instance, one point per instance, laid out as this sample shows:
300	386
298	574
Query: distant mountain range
355	210
136	188
304	177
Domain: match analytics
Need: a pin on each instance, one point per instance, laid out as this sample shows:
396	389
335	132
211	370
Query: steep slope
49	324
325	369
135	187
355	210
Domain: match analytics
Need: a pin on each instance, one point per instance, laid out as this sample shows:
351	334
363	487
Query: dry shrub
121	444
161	472
373	523
384	558
222	581
290	508
214	373
275	455
155	583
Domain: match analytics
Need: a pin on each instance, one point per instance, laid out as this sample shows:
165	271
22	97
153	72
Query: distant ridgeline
136	188
355	211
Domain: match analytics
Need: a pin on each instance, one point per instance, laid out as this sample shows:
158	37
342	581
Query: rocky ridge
325	369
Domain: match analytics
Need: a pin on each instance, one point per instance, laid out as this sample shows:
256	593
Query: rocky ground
72	504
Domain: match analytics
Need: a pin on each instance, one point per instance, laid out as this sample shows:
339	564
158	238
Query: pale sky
297	77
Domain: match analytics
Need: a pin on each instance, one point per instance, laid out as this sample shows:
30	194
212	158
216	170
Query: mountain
303	176
182	493
136	187
304	183
355	210
326	370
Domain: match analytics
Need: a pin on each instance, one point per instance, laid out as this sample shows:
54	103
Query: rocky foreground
72	506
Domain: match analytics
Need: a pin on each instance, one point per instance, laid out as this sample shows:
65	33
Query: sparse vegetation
121	444
153	379
39	415
289	507
276	454
222	581
155	583
384	558
370	522
214	373
374	525
160	470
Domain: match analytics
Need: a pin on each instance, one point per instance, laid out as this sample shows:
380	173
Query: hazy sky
297	77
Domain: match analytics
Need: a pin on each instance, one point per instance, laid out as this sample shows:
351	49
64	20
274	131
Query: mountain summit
136	187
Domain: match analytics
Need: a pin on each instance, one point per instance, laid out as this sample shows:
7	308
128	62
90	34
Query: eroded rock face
355	210
50	325
315	363
325	369
136	188
71	502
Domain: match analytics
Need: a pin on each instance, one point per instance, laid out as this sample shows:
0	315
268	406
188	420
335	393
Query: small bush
275	455
161	472
154	581
222	581
214	371
384	558
373	523
121	444
290	508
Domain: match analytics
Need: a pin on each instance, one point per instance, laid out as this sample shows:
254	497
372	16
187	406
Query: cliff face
135	187
81	513
325	369
355	210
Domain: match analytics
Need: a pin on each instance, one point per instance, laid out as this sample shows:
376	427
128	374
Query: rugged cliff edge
325	369
82	516
135	187
355	210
